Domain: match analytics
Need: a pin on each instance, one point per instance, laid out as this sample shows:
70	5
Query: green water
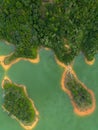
5	49
43	86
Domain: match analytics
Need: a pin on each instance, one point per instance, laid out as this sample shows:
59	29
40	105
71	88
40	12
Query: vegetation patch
17	103
11	58
29	24
80	95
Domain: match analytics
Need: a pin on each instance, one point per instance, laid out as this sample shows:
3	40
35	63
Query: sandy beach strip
6	67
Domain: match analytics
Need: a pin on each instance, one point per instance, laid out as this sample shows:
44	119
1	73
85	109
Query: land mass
66	26
18	105
82	98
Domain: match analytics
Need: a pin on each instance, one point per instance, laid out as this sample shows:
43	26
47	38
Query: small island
18	105
82	98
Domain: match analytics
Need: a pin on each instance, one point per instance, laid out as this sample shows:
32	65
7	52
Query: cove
43	86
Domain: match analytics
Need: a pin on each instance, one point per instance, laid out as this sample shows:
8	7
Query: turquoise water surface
43	86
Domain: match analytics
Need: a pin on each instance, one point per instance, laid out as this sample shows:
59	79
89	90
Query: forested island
66	26
80	95
18	104
82	98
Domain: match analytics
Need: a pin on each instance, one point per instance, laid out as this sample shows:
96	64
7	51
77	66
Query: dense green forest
80	95
66	26
17	103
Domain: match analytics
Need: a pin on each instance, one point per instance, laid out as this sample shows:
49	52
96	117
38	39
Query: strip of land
6	67
79	112
31	125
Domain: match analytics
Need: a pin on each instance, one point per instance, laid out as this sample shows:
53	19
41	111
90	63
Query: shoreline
6	42
76	110
6	67
60	63
89	62
33	124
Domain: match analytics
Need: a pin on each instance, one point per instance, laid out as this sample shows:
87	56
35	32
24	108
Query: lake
43	82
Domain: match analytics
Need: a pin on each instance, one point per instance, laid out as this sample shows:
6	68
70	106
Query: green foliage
17	103
29	24
80	95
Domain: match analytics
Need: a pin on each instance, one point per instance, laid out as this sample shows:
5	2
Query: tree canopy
33	23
